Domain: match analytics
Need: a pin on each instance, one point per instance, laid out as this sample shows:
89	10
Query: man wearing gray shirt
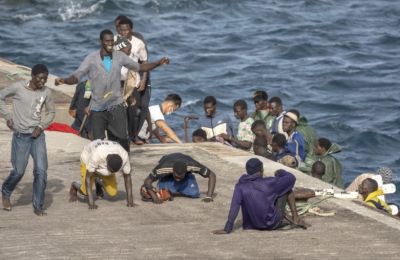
107	107
27	123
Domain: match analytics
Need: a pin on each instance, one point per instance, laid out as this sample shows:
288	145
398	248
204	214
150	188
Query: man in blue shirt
295	141
262	200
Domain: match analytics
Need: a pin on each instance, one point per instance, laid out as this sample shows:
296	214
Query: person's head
295	111
367	186
179	170
116	22
171	103
254	166
260	146
240	109
386	174
322	146
199	136
318	169
260	99
290	121
39	76
107	41
124	45
259	128
289	161
210	106
114	163
125	26
275	104
278	142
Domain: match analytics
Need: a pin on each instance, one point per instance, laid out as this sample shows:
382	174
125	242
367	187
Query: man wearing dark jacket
262	200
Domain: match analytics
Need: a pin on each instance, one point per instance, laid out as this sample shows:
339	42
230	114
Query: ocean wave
76	9
28	17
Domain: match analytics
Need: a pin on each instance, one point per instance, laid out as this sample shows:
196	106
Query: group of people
112	109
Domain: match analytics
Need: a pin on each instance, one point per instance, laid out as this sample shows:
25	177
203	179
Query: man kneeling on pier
102	159
263	200
175	175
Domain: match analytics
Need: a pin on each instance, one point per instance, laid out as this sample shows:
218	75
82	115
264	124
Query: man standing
137	112
175	174
102	159
28	137
104	71
262	200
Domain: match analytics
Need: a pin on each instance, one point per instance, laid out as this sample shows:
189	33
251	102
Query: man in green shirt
260	99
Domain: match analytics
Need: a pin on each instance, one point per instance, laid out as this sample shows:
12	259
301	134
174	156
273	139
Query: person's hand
93	206
163	61
58	82
36	132
207	199
142	85
225	136
300	221
87	111
219	232
10	124
72	113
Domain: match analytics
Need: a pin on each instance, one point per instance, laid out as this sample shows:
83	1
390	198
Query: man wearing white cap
295	141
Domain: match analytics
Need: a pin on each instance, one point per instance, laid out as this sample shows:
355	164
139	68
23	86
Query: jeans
22	146
187	187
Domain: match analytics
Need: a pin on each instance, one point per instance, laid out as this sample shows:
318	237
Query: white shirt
155	115
95	153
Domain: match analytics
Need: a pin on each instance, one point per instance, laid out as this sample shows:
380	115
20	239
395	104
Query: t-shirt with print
166	163
95	153
244	130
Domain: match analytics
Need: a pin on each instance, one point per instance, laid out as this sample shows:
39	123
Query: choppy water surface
337	61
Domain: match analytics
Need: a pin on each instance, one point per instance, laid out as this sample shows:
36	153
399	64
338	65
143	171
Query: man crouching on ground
102	159
175	174
262	200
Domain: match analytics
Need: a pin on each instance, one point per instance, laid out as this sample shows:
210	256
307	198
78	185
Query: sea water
336	61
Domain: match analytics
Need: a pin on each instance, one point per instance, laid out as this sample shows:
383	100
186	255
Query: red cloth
59	127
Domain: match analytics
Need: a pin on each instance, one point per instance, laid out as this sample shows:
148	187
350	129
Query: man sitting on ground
170	104
295	141
214	124
245	136
262	200
103	159
262	112
370	193
199	136
175	174
324	151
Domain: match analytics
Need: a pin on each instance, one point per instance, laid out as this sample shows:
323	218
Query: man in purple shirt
262	200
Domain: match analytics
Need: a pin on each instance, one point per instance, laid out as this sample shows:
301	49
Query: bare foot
6	203
39	212
73	193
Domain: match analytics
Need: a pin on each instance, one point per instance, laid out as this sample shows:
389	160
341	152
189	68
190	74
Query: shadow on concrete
53	186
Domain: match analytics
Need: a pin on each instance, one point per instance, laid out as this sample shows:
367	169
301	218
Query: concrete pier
180	229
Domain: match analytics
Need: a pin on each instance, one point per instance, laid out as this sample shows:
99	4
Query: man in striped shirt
175	172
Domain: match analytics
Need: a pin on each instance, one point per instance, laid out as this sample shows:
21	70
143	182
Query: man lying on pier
175	174
102	159
262	200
